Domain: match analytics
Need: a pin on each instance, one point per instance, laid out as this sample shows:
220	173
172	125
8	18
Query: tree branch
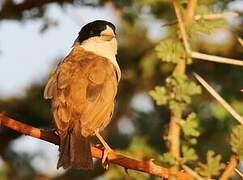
230	168
193	54
217	16
148	167
181	26
221	100
174	125
190	11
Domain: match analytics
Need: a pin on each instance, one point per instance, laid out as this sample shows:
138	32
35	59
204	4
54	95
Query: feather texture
83	90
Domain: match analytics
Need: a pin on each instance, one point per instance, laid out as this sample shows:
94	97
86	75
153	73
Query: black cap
93	29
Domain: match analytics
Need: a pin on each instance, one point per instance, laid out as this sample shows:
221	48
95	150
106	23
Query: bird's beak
107	34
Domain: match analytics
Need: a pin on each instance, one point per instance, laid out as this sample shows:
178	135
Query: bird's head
103	29
99	37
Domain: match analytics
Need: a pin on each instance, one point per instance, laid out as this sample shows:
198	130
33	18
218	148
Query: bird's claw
105	160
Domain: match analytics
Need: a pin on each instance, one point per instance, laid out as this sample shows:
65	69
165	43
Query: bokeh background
35	35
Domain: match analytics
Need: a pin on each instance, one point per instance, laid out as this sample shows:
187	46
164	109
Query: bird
83	92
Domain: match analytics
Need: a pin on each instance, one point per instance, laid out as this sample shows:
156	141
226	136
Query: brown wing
83	88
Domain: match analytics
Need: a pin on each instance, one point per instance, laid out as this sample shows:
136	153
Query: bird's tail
75	151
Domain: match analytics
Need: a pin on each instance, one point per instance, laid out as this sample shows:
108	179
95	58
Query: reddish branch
230	168
128	163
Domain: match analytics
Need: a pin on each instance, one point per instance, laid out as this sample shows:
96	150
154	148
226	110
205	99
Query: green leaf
170	50
178	107
192	141
188	154
236	141
190	126
177	92
159	95
181	88
205	26
167	158
212	167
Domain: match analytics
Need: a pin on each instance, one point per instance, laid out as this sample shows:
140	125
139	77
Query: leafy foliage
205	26
176	93
236	141
170	51
190	126
188	154
167	158
159	95
212	167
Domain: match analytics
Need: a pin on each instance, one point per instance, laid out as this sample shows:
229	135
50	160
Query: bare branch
217	59
148	167
230	168
240	41
187	46
219	98
217	16
182	26
192	173
238	172
174	136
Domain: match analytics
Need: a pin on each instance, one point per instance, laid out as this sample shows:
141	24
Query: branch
148	167
240	41
190	11
192	172
174	127
198	55
219	98
181	26
230	168
217	16
216	59
239	173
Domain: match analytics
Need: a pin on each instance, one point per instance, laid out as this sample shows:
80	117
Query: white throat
101	47
107	49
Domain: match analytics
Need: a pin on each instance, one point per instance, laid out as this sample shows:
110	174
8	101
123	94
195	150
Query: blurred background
35	35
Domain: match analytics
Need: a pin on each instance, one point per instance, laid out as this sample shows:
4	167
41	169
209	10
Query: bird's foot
105	157
107	150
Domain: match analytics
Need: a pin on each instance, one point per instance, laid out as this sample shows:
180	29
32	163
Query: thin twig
219	98
181	26
208	17
229	169
239	173
191	172
240	40
148	167
198	55
217	16
217	59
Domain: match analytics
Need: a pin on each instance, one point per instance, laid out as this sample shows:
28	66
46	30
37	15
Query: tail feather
75	152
